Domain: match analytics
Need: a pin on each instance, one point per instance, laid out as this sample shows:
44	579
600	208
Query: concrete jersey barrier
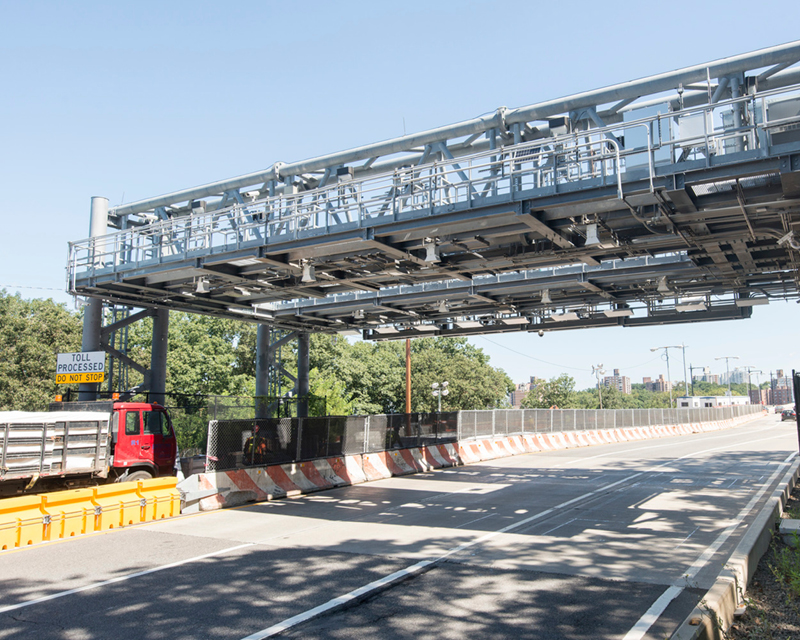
220	489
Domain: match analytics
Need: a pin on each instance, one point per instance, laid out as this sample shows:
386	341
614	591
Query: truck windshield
155	423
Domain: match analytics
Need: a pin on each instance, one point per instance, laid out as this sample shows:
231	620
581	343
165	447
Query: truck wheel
138	475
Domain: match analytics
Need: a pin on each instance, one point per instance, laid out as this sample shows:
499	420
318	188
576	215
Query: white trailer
38	445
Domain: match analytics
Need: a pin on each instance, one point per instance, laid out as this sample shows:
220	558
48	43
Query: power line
553	364
525	355
20	286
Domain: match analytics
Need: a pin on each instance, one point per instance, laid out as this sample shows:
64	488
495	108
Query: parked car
788	414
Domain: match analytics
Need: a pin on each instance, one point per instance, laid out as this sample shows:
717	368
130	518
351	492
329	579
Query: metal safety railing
236	444
592	158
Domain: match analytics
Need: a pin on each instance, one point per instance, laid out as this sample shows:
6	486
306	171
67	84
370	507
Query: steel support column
93	311
158	356
262	371
303	343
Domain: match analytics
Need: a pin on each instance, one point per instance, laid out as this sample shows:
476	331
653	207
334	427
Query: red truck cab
143	441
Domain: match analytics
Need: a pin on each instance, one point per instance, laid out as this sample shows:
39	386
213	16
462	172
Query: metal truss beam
570	213
504	121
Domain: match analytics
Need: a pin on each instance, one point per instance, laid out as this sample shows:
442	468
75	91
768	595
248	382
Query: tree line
560	392
216	357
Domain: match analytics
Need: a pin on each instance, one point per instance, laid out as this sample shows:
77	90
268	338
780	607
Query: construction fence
239	443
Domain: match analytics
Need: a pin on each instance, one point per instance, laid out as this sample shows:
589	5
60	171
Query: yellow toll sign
71	378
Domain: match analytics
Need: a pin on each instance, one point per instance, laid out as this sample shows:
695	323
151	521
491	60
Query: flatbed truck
83	443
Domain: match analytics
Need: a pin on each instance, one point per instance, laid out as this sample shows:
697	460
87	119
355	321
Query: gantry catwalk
674	198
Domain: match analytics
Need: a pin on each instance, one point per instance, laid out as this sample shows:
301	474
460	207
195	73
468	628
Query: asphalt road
614	541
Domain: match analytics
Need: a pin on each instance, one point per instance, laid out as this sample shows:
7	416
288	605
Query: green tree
32	333
473	382
373	373
557	392
330	388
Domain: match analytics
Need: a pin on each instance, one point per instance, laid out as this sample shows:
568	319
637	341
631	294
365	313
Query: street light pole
685	382
750	371
727	360
669	378
439	391
598	371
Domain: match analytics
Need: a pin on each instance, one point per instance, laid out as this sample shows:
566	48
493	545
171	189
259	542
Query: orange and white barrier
215	490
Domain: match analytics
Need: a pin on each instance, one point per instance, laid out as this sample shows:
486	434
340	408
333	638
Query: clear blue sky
131	100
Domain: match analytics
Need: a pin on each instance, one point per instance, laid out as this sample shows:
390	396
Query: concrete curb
714	616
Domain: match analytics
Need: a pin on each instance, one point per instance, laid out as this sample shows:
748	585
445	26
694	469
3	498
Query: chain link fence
235	444
239	443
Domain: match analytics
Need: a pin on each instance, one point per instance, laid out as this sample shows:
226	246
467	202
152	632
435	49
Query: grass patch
786	567
793	512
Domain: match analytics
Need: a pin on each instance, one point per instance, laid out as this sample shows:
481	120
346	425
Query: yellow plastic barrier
162	499
71	513
132	505
9	523
108	503
25	521
28	520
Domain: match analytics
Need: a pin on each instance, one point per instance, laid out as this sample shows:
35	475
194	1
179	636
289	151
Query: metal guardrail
593	158
236	444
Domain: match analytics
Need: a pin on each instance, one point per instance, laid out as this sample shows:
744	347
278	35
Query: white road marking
653	613
461	526
681	543
647	619
659	606
130	576
416	568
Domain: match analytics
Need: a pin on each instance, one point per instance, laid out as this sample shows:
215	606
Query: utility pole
727	360
685	383
598	371
771	389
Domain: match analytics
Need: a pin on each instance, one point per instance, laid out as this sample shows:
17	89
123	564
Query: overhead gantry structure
673	198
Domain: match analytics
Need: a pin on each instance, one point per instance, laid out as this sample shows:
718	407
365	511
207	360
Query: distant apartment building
737	376
659	386
706	376
522	390
518	395
621	383
781	390
759	396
